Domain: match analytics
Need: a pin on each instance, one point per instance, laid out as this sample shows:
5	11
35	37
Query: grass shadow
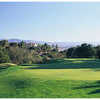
84	87
95	91
76	63
2	68
18	83
96	85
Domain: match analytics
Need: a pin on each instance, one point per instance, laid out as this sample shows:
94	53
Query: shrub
4	58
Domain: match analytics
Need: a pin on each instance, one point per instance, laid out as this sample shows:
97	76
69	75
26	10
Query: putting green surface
62	78
67	69
64	74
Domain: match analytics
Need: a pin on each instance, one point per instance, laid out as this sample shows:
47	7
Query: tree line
28	53
83	51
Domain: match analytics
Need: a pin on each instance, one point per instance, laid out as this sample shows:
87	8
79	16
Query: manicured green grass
61	78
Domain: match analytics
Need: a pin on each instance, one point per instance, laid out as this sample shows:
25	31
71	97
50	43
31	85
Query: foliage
97	51
4	58
70	52
22	52
83	51
4	43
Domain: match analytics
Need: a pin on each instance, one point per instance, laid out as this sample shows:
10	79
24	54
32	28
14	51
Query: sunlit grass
63	78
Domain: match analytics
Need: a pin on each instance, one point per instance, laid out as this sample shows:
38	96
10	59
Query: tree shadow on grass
48	62
2	68
66	64
63	66
19	83
95	91
16	86
96	85
84	87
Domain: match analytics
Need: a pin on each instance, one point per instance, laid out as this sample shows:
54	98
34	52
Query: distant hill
61	45
27	41
14	40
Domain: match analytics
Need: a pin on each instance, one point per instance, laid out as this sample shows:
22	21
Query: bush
4	58
46	59
37	59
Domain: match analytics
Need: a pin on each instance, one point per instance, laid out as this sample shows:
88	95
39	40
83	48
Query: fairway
66	69
73	78
65	74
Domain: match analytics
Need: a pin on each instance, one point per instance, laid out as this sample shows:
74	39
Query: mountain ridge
66	44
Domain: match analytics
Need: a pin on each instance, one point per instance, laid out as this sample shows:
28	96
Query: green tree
4	43
4	58
84	51
22	44
97	48
13	44
70	52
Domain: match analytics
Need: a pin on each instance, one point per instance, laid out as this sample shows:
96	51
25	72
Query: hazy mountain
14	40
62	45
27	41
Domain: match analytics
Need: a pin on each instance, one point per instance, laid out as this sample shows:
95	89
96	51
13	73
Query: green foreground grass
62	78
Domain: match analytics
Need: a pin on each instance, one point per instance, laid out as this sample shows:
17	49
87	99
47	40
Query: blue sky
50	21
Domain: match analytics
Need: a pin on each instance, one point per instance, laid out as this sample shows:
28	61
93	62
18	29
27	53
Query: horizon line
48	41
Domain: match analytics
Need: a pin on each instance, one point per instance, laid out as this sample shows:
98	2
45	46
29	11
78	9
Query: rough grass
62	78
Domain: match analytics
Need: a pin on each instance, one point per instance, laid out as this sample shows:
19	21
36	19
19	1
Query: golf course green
60	78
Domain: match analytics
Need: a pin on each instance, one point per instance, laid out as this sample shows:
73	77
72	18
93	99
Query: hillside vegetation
30	53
